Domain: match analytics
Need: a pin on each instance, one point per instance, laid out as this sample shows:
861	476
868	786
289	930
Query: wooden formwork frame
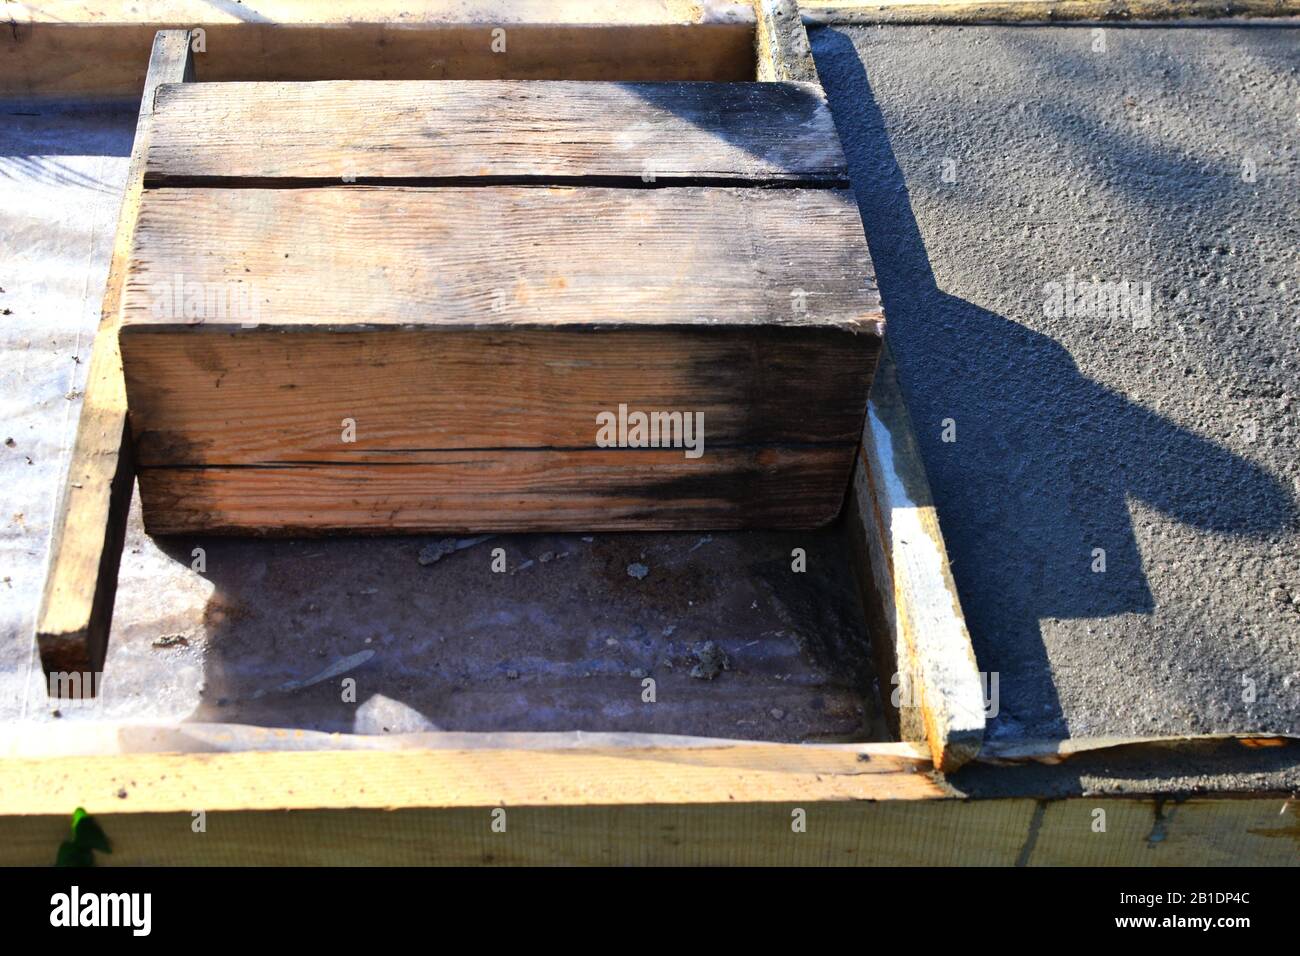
664	802
909	593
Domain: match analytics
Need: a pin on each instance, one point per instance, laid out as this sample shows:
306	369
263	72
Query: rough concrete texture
1178	768
989	162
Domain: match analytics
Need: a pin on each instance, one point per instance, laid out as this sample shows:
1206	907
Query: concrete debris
440	549
712	661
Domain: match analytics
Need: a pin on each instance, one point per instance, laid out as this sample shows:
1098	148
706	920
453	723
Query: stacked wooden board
417	306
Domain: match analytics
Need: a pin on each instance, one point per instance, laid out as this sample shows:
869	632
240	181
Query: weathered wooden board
476	490
481	129
265	397
98	49
910	598
353	257
474	335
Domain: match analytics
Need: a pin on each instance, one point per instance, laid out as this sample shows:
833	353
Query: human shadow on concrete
1044	460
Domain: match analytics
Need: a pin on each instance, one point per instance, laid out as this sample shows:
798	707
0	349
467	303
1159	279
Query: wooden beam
484	131
90	524
96	49
851	12
477	372
643	805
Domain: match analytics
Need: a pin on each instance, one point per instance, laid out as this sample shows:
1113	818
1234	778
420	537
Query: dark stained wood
471	274
474	490
473	335
472	130
271	396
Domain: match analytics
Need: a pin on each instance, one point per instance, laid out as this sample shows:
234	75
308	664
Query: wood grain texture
266	397
1199	831
98	49
475	130
358	257
469	491
90	524
748	306
280	780
722	805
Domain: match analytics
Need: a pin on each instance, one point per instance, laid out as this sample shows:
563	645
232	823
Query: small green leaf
87	834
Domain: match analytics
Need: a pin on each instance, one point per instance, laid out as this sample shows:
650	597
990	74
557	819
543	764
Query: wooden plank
734	132
355	779
265	397
910	594
473	490
79	48
89	526
500	256
723	805
848	12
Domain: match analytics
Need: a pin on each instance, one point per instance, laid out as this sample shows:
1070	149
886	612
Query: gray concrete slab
990	163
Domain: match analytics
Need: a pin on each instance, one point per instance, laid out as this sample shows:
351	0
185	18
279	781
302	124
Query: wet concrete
989	162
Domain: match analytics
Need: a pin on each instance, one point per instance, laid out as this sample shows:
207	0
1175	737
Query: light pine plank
90	525
468	491
474	129
720	805
360	257
98	48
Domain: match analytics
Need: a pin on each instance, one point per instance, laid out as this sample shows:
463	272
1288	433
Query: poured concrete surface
1116	155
